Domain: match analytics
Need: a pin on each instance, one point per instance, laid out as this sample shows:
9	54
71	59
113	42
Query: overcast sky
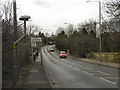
50	14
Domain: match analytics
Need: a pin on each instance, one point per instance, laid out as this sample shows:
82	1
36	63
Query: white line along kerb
107	80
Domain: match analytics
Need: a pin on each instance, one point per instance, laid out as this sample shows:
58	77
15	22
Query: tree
59	30
113	8
62	41
70	30
23	50
32	29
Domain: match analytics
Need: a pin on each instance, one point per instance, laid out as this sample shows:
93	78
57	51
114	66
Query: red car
63	54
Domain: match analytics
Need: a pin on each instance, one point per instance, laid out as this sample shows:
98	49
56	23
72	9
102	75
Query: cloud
42	3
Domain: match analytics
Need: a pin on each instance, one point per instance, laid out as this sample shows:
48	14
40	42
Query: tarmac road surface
70	73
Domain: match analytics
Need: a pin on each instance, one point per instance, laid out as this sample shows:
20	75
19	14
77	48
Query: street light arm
19	39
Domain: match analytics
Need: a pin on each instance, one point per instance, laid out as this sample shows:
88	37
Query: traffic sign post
34	40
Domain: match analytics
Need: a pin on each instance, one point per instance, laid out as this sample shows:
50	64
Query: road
70	73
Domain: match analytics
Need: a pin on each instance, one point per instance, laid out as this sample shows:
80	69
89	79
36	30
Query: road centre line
62	61
103	72
88	73
107	80
76	68
71	66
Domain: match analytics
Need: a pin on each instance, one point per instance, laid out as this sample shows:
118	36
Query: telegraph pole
15	19
100	29
14	46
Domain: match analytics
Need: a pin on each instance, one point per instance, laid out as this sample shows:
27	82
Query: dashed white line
77	68
107	80
103	72
71	66
88	73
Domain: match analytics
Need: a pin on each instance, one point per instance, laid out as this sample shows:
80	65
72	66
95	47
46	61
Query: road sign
14	46
36	39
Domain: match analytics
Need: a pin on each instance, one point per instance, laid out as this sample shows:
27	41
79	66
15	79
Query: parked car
63	54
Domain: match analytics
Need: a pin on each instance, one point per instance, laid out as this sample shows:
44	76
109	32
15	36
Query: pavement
37	77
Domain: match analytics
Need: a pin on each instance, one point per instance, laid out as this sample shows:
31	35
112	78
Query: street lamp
24	18
68	38
99	25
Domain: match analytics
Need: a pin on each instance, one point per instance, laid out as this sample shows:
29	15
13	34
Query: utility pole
15	19
14	46
100	28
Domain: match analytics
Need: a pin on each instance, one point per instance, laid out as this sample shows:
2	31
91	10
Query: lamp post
99	26
68	39
24	18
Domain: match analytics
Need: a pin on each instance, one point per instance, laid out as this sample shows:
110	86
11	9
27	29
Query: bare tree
59	30
89	26
32	29
113	8
70	30
7	11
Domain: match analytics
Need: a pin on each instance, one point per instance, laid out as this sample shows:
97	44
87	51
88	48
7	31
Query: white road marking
107	80
103	72
77	68
71	66
88	73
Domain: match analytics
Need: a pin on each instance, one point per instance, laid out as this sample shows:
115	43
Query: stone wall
108	57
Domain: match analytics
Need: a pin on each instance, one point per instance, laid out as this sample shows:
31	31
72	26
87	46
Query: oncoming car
52	50
63	54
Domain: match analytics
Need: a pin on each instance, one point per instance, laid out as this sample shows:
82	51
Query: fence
23	53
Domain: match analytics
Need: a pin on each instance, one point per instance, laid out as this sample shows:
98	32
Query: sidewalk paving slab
37	77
